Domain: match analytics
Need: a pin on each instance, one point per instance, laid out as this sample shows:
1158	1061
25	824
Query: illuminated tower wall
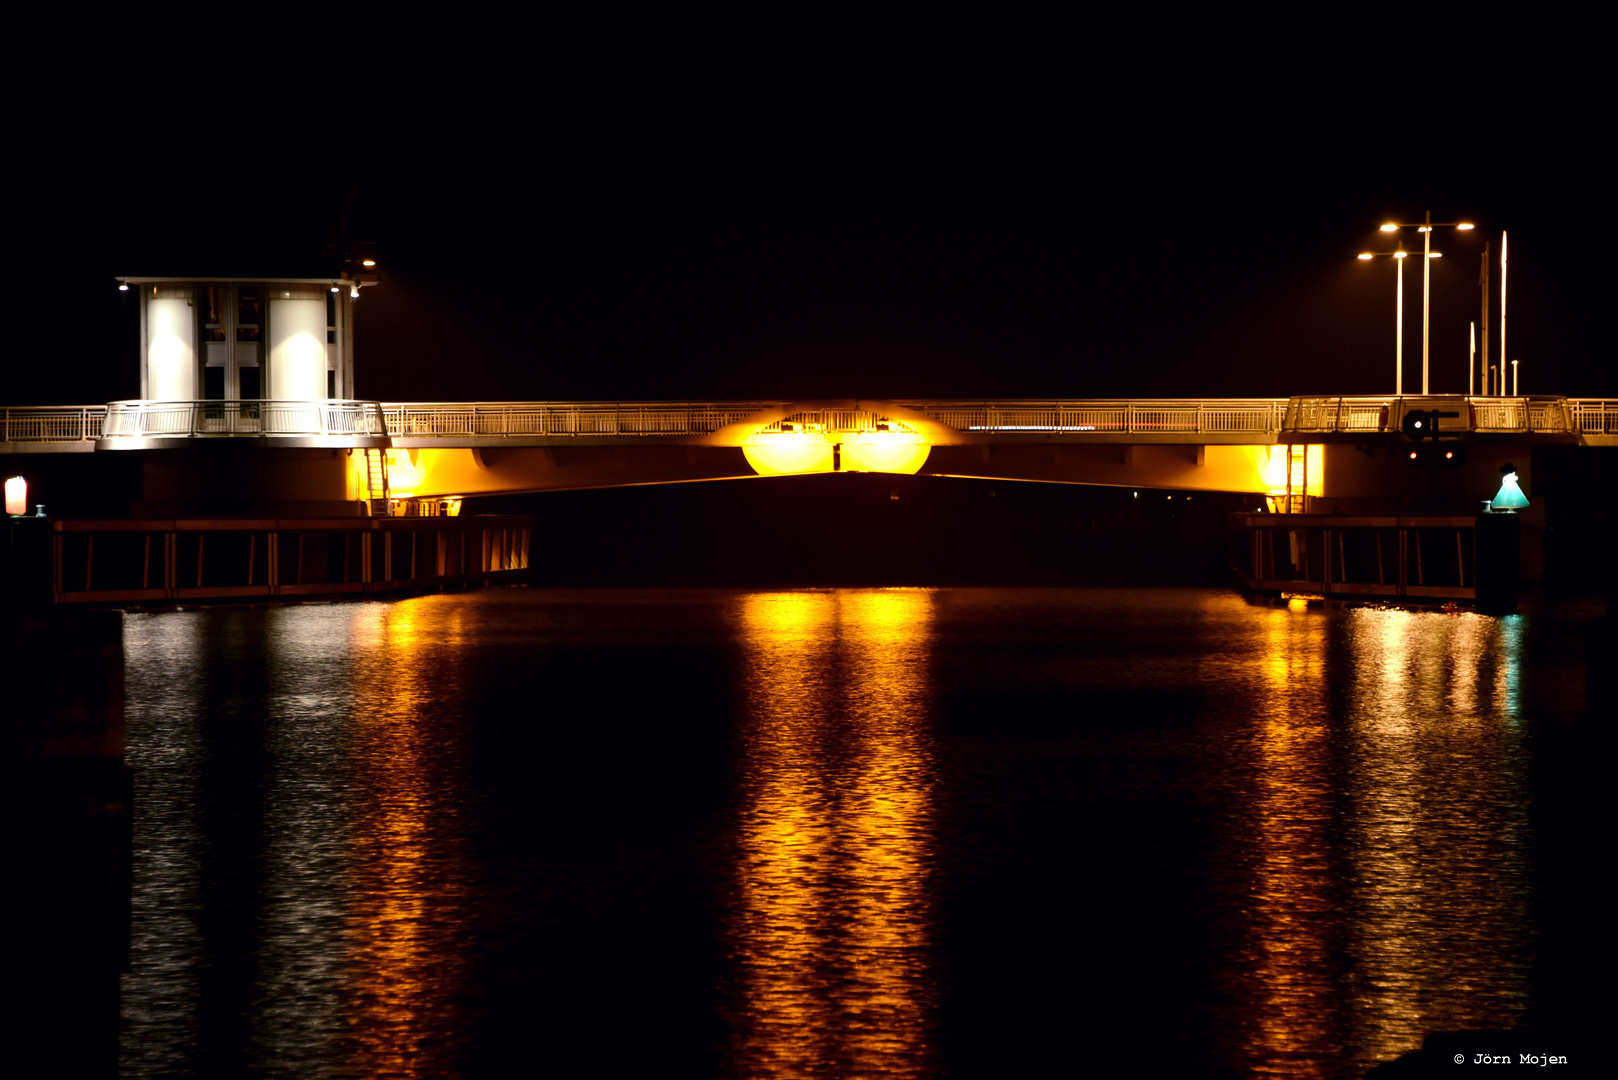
214	339
170	353
298	352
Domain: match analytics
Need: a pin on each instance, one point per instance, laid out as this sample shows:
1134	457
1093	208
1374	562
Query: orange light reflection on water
1389	839
1389	835
401	978
832	922
1293	913
1437	828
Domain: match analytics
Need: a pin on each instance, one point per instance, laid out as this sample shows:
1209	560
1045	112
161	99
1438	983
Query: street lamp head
1435	254
1390	227
1364	255
1401	254
1465	225
1424	228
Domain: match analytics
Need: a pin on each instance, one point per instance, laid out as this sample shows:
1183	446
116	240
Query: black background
740	210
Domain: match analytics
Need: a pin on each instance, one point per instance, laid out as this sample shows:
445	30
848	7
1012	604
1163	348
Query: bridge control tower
221	339
232	367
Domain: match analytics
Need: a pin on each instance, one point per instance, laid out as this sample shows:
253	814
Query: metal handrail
257	418
840	421
1257	416
1593	416
429	419
496	419
53	423
1501	415
505	419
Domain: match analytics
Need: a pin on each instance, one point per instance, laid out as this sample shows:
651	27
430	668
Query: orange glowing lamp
16	496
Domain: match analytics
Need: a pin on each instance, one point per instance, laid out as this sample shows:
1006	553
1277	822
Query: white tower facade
216	339
169	345
300	356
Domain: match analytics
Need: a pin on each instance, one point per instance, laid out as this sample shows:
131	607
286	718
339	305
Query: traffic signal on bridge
1451	455
1418	424
1423	423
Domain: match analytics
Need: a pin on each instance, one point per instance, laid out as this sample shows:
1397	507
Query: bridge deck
1250	421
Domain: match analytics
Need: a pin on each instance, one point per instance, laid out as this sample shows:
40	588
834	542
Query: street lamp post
1498	389
1398	258
1426	227
1471	354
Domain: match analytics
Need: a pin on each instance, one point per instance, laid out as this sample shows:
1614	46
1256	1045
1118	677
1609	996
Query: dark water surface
845	833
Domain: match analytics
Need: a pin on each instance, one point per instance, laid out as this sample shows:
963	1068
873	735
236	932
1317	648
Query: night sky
954	225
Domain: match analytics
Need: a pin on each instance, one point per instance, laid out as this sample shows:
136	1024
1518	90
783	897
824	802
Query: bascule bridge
248	413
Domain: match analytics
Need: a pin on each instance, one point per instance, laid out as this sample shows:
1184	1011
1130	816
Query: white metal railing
457	420
841	421
1592	416
512	418
1546	415
201	419
1339	414
1260	416
497	419
54	423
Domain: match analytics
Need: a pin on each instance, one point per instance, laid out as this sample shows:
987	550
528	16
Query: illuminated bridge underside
1205	446
1224	445
440	472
